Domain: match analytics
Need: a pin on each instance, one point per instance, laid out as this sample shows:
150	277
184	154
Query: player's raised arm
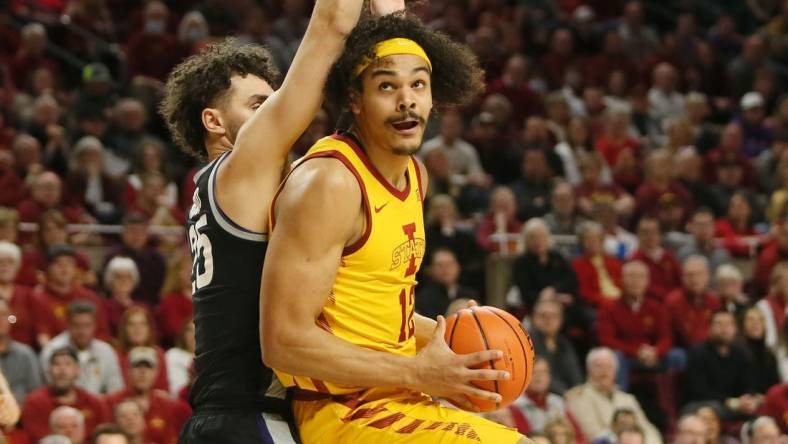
313	226
265	139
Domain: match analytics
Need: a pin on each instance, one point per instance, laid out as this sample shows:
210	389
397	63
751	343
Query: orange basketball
477	329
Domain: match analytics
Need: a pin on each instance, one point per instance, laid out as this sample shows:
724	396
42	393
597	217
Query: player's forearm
317	354
424	329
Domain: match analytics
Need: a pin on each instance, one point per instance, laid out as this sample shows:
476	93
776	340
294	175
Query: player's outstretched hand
441	372
385	7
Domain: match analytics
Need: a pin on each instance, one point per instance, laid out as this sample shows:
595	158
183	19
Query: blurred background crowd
621	186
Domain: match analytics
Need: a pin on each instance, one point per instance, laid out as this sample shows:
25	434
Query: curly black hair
201	81
456	76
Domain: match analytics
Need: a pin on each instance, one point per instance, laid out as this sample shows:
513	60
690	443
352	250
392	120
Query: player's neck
216	148
390	165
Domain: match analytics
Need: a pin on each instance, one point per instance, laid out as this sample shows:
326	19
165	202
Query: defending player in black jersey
220	105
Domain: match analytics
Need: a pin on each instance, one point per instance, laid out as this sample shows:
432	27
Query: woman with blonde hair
176	303
773	305
137	329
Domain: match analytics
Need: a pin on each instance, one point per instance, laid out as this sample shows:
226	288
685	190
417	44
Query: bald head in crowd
69	422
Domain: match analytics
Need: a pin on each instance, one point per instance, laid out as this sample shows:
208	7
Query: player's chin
402	149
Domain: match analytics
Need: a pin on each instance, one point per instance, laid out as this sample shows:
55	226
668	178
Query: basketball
482	328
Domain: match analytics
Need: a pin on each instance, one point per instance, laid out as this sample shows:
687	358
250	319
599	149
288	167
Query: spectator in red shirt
616	138
637	328
162	415
660	185
53	230
136	329
69	422
18	297
664	269
597	186
11	185
560	58
499	229
62	390
736	228
690	308
61	288
176	305
31	55
774	252
46	194
612	58
153	203
776	405
130	417
154	51
121	277
599	275
513	85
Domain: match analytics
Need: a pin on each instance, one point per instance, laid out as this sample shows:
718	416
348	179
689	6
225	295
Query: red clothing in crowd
22	309
487	228
36	261
769	257
31	211
776	405
588	278
42	401
163	418
612	149
174	310
690	319
648	196
525	102
11	188
621	327
664	273
187	190
115	310
523	426
51	309
733	239
162	383
152	55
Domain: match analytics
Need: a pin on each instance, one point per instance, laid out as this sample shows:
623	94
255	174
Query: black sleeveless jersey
227	265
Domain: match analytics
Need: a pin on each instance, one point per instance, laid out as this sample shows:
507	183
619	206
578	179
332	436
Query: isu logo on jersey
408	251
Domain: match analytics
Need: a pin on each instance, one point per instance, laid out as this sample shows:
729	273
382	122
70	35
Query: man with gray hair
594	402
690	307
761	430
729	285
69	422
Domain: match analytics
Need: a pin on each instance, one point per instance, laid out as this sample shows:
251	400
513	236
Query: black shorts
237	428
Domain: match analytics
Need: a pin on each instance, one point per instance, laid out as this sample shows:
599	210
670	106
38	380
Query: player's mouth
407	126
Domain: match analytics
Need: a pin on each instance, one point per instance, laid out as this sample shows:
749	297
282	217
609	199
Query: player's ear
355	102
212	121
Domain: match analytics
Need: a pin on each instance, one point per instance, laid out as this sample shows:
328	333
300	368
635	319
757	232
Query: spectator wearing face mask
153	51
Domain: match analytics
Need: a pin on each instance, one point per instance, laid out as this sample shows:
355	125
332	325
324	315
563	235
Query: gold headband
393	47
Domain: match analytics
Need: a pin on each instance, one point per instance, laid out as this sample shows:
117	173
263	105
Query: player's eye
256	105
386	86
419	84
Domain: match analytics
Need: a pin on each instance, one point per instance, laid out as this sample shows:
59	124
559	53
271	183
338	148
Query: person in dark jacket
434	298
550	344
719	371
763	364
542	269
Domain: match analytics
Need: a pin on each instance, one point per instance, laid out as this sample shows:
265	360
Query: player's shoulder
323	179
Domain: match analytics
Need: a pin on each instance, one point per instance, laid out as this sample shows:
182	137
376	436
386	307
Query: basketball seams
522	347
487	347
454	327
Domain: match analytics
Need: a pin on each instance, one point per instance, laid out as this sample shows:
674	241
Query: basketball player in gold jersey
347	238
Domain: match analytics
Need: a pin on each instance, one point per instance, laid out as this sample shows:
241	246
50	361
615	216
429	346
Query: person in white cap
757	136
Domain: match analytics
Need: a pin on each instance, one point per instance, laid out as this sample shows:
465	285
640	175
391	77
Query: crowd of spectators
628	161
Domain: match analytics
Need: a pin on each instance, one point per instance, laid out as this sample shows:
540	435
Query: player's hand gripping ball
482	328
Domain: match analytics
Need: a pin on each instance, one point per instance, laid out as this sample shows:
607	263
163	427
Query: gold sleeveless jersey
371	303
